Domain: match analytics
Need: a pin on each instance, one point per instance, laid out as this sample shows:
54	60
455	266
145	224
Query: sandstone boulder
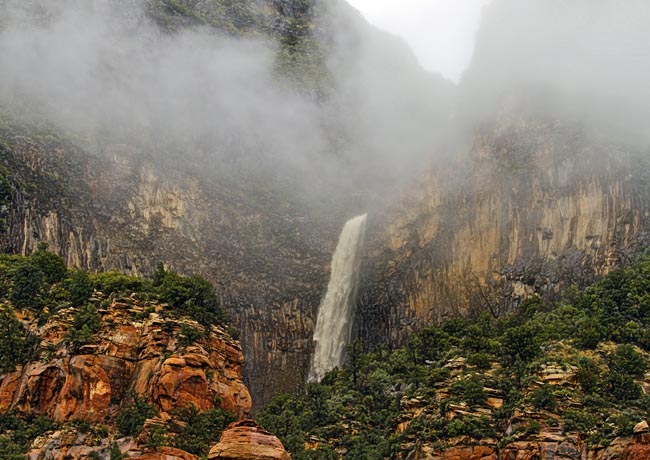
246	440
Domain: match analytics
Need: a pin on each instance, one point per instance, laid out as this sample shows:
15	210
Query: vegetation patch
576	366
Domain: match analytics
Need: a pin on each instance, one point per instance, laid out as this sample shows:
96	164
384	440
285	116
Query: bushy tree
588	375
49	264
118	283
622	387
87	322
79	287
544	398
519	344
9	450
201	429
16	345
470	390
626	360
27	285
131	417
192	296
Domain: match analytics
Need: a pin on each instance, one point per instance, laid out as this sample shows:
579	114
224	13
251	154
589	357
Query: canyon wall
532	207
268	258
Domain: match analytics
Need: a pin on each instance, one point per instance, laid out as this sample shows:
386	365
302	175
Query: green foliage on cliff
439	386
17	434
87	322
42	282
189	296
16	344
40	285
132	415
199	430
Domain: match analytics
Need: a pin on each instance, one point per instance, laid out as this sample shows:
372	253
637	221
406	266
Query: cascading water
334	322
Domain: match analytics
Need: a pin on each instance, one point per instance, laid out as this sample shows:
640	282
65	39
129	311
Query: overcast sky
441	32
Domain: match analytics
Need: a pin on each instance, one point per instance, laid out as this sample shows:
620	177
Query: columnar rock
532	207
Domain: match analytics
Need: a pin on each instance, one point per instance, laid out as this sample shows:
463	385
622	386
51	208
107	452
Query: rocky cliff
245	440
124	205
267	256
140	363
532	206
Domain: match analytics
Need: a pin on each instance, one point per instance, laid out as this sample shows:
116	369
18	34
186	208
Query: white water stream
336	311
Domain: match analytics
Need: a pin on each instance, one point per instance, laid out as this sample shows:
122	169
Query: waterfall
335	313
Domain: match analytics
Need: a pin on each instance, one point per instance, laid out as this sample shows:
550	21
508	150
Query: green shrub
544	398
131	417
471	390
78	286
16	345
428	345
189	335
588	375
19	432
519	344
481	361
27	286
116	453
201	429
626	360
191	296
580	421
118	283
86	323
589	333
9	450
49	264
622	387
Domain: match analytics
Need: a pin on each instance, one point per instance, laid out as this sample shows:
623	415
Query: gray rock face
532	208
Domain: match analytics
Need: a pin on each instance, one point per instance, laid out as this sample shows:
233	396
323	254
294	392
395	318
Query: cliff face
266	255
539	208
531	208
136	350
128	385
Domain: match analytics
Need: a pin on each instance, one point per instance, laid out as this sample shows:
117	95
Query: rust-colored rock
166	453
526	211
246	440
127	355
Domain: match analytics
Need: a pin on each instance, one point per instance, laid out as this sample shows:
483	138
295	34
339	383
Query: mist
105	72
579	60
102	70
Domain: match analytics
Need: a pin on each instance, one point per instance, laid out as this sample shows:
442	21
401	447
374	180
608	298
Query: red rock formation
166	453
246	440
455	453
141	355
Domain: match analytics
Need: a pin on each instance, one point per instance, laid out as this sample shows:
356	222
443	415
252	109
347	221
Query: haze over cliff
224	100
234	139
